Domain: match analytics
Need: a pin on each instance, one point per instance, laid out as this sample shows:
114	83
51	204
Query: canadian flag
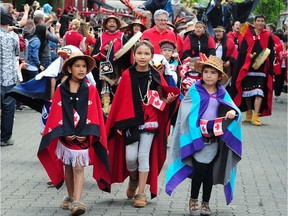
217	129
76	118
155	100
203	127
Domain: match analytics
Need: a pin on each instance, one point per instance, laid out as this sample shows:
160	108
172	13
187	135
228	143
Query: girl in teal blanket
207	141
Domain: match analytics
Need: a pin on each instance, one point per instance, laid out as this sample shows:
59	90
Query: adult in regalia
107	44
225	50
198	41
235	34
252	88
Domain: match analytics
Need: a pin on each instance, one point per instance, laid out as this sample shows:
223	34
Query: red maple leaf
217	126
203	129
155	94
157	102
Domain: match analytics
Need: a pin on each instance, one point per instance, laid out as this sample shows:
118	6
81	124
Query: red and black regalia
77	114
128	111
237	38
100	55
248	82
229	52
193	44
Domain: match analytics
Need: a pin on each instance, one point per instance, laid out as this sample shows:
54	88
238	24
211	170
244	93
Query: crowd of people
110	89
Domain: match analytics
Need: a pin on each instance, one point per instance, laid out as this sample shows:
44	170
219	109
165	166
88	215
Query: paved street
261	188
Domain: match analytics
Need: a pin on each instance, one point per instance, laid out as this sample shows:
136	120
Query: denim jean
7	113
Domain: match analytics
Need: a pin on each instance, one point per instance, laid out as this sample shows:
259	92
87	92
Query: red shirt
73	38
155	37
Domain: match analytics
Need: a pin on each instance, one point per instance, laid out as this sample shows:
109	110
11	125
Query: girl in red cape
75	136
138	125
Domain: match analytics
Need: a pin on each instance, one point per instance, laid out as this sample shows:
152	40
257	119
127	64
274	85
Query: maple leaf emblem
157	102
217	126
203	129
155	94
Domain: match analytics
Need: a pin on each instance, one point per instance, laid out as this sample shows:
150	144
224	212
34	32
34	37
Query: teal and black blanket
187	139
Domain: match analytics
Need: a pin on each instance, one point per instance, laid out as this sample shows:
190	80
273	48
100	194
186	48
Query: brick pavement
261	188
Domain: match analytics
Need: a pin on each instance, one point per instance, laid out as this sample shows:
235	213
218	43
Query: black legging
202	173
279	82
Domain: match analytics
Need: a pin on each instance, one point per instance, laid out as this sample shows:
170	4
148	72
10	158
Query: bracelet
56	32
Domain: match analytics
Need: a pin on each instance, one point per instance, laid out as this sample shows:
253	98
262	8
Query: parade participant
74	38
225	50
190	76
10	48
197	41
110	40
235	34
160	31
123	27
64	20
252	88
207	142
75	136
281	56
160	63
38	92
278	48
167	50
135	27
88	37
137	132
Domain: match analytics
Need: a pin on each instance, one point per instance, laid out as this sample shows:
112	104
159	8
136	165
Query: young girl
190	77
74	136
137	125
207	143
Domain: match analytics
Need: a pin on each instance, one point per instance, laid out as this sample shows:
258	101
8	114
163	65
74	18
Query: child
74	136
137	125
190	77
167	50
208	145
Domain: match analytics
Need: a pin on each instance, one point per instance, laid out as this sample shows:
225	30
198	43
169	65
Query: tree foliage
271	9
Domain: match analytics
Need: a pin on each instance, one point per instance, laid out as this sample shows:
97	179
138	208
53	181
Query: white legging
140	150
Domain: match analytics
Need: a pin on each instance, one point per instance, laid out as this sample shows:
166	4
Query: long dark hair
40	32
223	39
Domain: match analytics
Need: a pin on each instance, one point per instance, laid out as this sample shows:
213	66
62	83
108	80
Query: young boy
207	143
167	50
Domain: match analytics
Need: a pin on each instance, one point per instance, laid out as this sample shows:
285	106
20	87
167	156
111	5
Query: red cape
242	70
231	52
233	36
122	115
278	50
60	123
